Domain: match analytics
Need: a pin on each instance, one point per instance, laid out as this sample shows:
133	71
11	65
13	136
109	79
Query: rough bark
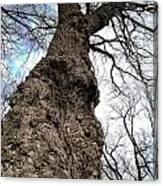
51	130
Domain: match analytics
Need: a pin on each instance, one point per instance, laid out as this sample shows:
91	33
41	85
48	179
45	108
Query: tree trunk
51	130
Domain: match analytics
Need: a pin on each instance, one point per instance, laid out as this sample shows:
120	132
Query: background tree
51	130
129	52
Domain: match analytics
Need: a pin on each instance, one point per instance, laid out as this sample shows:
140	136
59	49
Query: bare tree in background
51	129
129	53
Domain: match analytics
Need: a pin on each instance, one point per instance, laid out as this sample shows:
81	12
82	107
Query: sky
19	68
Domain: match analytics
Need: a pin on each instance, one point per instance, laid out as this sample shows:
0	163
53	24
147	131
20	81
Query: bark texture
51	130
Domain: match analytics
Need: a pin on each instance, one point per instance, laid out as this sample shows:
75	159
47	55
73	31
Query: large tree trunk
51	130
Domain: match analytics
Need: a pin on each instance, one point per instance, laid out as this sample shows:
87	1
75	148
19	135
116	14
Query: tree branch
101	16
